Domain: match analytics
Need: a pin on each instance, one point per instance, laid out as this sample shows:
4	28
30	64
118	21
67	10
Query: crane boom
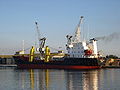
76	37
38	32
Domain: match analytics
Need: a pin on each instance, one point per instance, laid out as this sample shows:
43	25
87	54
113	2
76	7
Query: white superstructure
81	49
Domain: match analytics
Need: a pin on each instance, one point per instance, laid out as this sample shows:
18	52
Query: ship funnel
94	42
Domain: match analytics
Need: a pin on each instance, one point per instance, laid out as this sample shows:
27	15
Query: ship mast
76	38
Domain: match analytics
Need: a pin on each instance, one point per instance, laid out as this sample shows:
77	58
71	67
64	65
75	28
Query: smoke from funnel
111	37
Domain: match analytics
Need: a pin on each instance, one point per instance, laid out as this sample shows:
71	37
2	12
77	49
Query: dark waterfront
51	79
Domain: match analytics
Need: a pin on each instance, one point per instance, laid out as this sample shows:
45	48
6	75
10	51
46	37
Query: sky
56	19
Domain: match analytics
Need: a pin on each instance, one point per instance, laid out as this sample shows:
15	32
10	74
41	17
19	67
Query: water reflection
23	80
48	79
90	81
51	79
32	79
82	80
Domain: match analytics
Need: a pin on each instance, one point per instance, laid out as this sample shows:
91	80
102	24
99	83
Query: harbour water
51	79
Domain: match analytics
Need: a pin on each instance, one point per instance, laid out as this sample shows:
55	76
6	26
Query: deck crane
41	40
76	37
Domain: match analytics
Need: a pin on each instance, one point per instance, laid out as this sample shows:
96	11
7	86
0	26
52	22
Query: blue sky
56	19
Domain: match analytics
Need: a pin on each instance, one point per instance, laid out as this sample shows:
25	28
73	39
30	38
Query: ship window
78	52
81	51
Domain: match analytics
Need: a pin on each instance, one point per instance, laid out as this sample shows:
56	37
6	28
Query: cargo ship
81	54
